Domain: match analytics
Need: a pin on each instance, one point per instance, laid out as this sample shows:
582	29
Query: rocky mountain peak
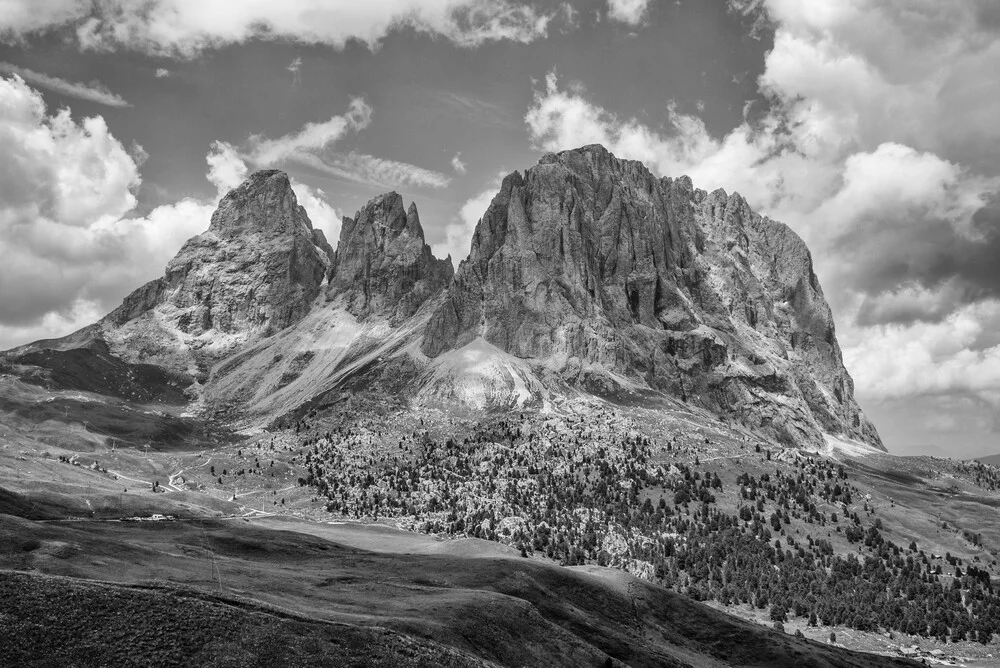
618	282
263	204
382	265
256	270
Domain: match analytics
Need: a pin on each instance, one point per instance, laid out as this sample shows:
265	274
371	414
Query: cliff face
257	268
382	265
590	267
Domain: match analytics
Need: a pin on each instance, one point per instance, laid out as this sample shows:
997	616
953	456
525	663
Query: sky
868	126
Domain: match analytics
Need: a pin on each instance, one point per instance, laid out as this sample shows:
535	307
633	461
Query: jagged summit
382	265
256	268
587	273
265	203
595	271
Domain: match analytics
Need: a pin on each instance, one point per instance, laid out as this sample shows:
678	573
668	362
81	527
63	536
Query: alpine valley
619	433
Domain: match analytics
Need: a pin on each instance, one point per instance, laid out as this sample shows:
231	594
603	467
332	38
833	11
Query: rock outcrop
257	268
255	271
382	265
597	272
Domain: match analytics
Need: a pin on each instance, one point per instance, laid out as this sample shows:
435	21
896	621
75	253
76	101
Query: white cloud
313	146
226	169
897	361
161	73
457	164
631	12
18	17
322	215
375	171
65	189
312	136
294	67
182	28
458	233
92	92
139	154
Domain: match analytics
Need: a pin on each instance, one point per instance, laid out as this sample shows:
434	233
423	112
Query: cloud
459	232
139	154
92	92
457	164
313	146
895	361
226	169
312	136
180	28
294	68
70	248
66	243
375	171
631	12
161	73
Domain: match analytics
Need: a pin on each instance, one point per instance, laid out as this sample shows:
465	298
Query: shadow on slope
82	361
508	611
100	624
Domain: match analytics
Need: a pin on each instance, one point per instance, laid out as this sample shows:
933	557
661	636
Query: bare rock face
382	265
255	271
594	270
258	267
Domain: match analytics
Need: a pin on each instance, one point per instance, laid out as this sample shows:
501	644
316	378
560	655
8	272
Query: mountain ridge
586	274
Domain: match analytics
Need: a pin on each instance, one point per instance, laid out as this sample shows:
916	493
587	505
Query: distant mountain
587	274
994	460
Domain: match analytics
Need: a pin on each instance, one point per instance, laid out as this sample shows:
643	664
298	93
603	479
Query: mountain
255	271
382	265
587	275
605	278
992	460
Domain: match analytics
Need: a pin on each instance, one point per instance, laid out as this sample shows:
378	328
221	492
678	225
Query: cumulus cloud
65	187
459	232
70	249
181	28
631	12
895	361
92	92
226	169
457	164
161	73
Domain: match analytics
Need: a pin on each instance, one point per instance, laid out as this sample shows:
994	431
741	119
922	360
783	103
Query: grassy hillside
365	607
